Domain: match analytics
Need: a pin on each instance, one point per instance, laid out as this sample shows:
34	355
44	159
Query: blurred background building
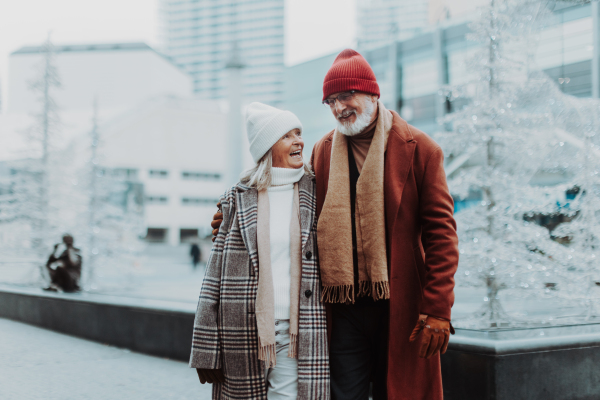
167	144
199	36
411	72
153	134
116	75
383	21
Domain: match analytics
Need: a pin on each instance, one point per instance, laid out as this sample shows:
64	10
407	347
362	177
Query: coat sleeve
439	239
206	346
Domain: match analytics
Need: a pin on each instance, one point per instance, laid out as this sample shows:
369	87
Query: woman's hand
210	375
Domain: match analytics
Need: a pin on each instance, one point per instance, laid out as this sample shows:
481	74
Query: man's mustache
345	114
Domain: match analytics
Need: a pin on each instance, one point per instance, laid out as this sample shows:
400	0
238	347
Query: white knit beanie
265	125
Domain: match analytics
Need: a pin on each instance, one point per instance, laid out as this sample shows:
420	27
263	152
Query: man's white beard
362	121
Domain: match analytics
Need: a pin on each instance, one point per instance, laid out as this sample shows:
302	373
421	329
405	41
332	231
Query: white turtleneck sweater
281	202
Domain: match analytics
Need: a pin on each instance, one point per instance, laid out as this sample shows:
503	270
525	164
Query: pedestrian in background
64	266
196	255
260	330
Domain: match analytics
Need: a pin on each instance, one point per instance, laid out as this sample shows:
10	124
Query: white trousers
282	379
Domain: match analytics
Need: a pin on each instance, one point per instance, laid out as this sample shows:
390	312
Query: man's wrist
436	317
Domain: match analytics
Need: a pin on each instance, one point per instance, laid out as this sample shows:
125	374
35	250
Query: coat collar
247	212
307	204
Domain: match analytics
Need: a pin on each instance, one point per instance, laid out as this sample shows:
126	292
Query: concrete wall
158	328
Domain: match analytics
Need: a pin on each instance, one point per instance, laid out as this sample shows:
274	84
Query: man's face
354	114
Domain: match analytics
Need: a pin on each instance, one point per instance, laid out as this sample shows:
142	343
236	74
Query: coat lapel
247	212
307	204
402	145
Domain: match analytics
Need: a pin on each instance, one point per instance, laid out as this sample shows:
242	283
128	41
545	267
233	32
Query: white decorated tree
508	129
582	234
112	221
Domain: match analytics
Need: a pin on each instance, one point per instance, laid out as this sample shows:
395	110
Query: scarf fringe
378	290
267	354
293	347
338	294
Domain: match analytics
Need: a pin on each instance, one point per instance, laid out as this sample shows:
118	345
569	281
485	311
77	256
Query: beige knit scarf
265	299
334	229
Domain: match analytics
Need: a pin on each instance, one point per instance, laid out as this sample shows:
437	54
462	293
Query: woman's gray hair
260	176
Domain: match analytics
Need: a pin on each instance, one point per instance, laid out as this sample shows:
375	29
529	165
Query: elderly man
387	243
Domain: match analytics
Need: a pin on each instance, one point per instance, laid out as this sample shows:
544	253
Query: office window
198	201
157	199
156	235
188	235
189	175
126	173
159	173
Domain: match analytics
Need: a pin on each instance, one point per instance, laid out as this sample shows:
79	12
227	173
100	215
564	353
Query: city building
159	155
200	36
116	76
165	146
168	145
411	72
381	22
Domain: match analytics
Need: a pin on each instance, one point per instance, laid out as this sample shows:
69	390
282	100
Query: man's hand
210	375
217	221
434	337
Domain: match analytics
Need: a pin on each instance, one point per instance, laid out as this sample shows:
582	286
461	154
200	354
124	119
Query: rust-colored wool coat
422	249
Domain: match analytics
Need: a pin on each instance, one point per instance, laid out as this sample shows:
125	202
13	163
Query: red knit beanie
350	71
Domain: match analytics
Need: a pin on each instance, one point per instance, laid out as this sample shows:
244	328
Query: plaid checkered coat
225	334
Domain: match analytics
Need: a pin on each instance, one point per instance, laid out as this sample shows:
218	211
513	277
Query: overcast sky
309	33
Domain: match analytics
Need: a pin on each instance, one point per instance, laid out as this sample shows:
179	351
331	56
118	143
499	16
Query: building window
126	173
189	175
156	235
158	173
188	235
197	201
157	199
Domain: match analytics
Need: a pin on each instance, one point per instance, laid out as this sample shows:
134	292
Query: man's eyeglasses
343	98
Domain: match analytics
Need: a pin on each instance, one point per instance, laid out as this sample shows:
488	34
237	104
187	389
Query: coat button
308	293
308	255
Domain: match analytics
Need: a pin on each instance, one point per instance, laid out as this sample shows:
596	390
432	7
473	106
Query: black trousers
358	351
65	279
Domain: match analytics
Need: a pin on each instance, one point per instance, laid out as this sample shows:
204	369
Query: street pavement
44	365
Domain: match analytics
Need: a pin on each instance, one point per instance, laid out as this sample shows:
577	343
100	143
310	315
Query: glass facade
411	72
383	21
199	35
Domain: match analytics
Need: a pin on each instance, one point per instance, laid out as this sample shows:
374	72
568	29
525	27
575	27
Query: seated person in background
64	266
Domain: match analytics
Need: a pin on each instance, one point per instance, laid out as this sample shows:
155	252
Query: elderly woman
260	329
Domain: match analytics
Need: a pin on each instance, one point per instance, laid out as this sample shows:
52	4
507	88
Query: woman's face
287	152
